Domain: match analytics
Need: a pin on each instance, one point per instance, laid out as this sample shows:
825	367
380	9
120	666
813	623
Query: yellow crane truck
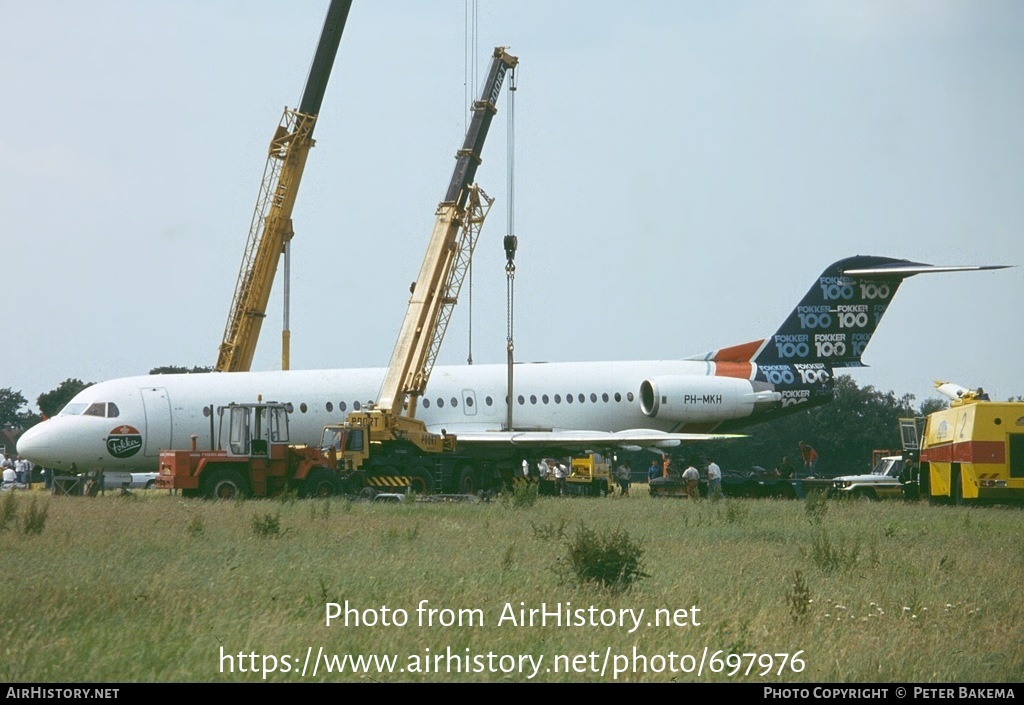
385	440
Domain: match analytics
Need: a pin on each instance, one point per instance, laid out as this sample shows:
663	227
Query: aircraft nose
38	446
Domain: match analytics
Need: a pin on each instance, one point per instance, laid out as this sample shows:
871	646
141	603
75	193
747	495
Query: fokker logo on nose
124	442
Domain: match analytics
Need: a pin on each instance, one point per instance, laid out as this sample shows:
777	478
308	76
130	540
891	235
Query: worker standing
560	473
543	469
654	471
714	481
692	478
810	458
623	474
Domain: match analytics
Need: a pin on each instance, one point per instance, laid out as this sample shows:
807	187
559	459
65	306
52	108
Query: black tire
225	483
320	482
467	480
368	492
956	489
150	484
864	494
356	483
420	481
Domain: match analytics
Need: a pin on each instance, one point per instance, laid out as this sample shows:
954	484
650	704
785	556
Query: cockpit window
98	408
102	409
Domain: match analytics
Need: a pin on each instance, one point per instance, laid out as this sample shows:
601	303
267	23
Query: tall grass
152	587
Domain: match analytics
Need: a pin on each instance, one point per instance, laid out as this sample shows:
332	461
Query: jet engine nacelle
701	399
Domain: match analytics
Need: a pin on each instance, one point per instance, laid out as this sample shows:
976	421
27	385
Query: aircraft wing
632	439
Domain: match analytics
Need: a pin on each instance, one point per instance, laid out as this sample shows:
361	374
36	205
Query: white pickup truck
117	479
889	479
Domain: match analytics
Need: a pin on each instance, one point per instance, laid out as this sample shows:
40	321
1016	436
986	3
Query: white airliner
123	424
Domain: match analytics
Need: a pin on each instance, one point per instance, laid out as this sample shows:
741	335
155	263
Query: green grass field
151	587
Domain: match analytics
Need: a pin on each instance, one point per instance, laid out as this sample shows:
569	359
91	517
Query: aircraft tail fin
835	320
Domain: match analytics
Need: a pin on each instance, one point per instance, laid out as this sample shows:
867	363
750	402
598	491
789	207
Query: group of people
809	457
691	476
16	470
547	468
785	469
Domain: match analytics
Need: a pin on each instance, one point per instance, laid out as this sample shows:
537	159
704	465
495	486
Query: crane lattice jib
472	221
270	228
271	225
420	336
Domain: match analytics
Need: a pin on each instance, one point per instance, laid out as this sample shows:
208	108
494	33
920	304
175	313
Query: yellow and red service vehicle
974	452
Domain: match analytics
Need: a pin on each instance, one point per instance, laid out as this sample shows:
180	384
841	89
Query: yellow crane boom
271	225
434	294
436	289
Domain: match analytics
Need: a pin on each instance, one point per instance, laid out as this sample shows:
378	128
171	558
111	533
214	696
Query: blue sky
684	171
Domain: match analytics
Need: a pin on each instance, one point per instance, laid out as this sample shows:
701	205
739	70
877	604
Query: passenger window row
533	399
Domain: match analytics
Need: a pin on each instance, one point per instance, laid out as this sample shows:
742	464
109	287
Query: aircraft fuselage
164	411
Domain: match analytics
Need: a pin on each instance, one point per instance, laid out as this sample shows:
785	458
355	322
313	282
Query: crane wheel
356	483
320	482
420	481
467	480
225	483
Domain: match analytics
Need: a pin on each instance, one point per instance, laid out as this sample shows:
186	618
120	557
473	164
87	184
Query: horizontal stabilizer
909	269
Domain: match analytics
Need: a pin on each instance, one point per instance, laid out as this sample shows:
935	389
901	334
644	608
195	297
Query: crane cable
468	83
510	266
511	242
